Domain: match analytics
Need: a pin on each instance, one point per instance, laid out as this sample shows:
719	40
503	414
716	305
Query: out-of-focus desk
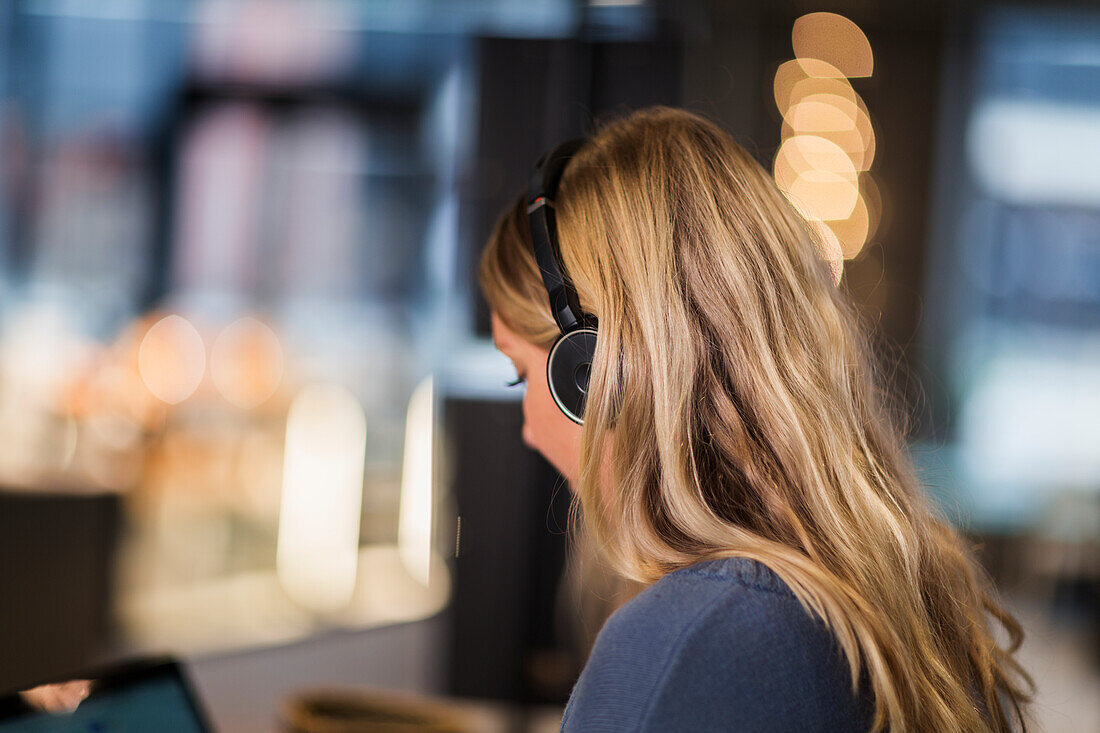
243	692
377	710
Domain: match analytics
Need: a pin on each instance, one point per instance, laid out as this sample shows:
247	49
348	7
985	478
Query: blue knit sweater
723	645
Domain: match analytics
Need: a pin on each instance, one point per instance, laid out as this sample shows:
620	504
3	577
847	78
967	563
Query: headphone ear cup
568	370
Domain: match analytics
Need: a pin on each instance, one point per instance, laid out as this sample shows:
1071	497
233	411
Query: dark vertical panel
724	73
514	506
630	75
56	552
535	93
509	561
528	99
547	660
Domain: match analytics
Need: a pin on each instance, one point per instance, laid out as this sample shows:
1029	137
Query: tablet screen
157	699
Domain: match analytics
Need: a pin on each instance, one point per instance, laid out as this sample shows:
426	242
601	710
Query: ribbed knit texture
723	645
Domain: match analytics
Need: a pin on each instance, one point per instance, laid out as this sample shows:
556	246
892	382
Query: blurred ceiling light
852	232
246	362
834	39
172	359
414	530
318	543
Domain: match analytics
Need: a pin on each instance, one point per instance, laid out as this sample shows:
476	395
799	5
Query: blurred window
1019	318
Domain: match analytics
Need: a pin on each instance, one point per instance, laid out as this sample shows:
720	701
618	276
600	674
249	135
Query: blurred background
249	409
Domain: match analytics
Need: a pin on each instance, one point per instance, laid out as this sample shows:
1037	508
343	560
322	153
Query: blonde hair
756	426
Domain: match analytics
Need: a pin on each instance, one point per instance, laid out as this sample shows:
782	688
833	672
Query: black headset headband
541	191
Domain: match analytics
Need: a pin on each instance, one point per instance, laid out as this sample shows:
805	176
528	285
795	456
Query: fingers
63	697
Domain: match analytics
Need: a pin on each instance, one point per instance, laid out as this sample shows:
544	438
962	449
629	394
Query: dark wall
732	58
536	93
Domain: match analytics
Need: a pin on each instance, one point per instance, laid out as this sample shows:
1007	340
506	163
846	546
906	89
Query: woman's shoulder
729	593
720	644
729	578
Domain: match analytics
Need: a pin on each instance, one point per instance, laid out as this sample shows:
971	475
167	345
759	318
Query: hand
62	697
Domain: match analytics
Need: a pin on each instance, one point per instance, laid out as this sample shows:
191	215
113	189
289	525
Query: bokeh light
834	39
825	194
852	231
246	362
172	359
822	113
414	529
803	153
807	111
318	546
827	139
818	69
794	80
819	175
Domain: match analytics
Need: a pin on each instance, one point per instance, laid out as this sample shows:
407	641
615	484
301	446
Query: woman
735	455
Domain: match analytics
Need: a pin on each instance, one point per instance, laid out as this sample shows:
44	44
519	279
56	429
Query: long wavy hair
758	424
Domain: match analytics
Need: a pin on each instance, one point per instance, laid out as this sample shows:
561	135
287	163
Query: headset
570	363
